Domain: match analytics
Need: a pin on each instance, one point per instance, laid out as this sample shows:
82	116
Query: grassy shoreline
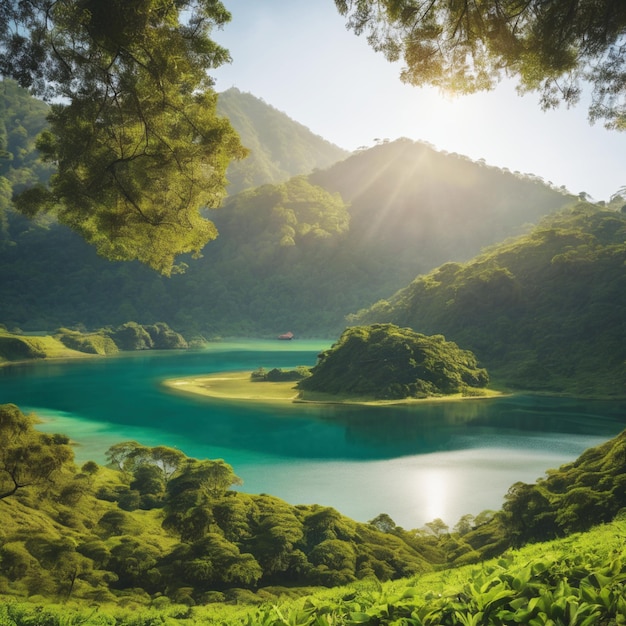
238	386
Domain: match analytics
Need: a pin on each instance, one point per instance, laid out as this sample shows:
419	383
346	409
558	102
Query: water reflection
124	393
414	462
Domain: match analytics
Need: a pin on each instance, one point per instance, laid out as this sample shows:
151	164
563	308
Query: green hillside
160	538
545	311
406	196
279	146
295	256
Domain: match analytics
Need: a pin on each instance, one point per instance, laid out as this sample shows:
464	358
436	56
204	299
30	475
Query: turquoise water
414	462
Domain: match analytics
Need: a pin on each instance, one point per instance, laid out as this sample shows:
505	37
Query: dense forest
297	255
544	311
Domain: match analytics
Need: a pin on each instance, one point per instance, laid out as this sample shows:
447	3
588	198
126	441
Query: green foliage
91	343
22	118
128	336
575	581
464	47
281	215
276	374
409	208
28	458
544	311
14	348
62	543
386	362
572	498
137	144
162	523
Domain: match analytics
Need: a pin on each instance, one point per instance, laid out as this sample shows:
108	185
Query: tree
133	131
28	458
191	494
464	47
209	479
124	455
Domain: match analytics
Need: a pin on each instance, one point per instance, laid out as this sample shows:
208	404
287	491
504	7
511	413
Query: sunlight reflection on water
413	463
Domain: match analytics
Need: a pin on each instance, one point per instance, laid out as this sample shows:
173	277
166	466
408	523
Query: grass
239	386
233	386
50	346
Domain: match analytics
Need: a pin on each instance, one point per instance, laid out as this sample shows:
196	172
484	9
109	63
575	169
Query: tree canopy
387	362
134	134
28	458
553	48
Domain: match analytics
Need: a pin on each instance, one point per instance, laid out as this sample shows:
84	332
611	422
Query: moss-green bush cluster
384	361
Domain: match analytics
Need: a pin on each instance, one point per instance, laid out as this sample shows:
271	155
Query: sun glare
432	490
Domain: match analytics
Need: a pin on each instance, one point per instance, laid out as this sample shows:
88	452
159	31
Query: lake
416	462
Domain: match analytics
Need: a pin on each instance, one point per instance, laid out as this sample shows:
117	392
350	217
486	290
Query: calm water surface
414	463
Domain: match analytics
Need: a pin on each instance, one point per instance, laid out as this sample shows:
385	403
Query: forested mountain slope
407	195
22	118
296	256
279	146
293	256
545	311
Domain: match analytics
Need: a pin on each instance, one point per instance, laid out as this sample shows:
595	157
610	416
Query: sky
298	56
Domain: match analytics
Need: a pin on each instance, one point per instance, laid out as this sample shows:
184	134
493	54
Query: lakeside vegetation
68	344
367	364
545	311
158	533
385	362
578	580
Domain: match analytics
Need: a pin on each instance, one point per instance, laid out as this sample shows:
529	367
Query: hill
22	118
383	361
293	256
407	196
279	146
545	311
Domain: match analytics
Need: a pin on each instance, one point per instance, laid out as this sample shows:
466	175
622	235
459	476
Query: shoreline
237	386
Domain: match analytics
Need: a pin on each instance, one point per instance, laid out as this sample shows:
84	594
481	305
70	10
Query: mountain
406	195
279	146
545	311
22	118
295	256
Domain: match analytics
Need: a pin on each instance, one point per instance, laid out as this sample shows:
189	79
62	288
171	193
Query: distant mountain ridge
279	146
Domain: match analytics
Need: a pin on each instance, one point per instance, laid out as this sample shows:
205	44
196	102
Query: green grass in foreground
579	580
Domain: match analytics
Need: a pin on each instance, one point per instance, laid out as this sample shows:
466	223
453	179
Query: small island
377	364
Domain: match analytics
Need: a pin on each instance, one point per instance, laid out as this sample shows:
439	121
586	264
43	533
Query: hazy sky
298	57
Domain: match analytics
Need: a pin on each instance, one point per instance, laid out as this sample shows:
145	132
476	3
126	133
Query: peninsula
377	364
